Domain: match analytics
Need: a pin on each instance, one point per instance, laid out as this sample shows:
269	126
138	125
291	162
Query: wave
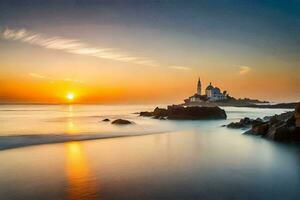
17	141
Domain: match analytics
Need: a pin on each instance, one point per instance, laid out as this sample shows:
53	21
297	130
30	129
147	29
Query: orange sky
143	85
126	54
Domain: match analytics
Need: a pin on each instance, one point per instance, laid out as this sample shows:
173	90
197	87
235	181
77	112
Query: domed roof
210	87
217	89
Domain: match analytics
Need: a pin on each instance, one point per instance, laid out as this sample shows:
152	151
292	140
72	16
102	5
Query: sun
70	96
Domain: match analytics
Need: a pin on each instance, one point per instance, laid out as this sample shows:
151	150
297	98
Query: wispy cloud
39	76
34	75
73	46
180	67
244	69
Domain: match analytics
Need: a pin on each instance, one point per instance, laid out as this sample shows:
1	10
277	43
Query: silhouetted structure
211	94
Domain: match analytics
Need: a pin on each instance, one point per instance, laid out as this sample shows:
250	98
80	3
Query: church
211	94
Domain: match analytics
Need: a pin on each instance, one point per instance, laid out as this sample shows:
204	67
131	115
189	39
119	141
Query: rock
146	114
274	120
281	127
267	118
246	121
175	112
243	123
161	112
236	125
284	116
106	120
158	112
182	113
281	132
291	121
257	122
121	122
260	128
297	116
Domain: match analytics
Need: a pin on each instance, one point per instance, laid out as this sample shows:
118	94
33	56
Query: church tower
199	87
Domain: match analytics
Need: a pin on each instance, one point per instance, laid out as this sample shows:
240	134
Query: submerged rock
106	120
121	122
185	113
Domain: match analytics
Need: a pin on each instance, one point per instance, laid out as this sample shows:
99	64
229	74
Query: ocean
78	156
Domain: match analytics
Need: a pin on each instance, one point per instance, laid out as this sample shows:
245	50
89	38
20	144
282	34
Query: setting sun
70	96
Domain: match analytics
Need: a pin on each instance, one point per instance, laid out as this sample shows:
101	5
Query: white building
214	93
211	94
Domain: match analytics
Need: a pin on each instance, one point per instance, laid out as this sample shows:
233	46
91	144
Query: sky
116	52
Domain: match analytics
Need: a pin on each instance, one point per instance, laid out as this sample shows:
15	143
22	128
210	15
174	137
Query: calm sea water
180	160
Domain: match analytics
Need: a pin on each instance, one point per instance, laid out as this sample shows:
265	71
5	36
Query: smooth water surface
182	160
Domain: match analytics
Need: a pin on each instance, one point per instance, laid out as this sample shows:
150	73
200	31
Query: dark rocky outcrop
161	112
297	116
106	120
243	123
235	125
146	114
284	127
196	113
259	128
121	122
186	113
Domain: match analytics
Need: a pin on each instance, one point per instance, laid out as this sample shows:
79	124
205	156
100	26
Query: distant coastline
227	103
238	103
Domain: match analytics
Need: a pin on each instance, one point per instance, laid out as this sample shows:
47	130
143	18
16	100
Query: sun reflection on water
71	127
80	184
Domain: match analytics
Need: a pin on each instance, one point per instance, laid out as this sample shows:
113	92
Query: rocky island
186	113
214	96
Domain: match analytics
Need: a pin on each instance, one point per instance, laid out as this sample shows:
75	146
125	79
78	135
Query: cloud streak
73	46
39	76
34	75
180	67
244	70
